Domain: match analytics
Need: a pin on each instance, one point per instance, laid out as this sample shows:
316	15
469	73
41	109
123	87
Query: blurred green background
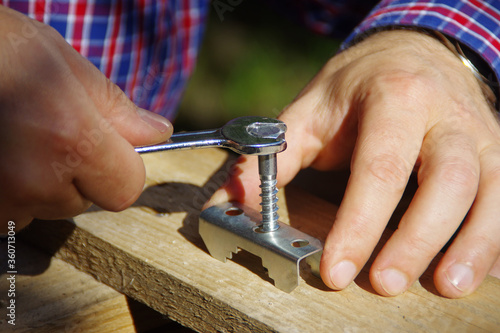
253	61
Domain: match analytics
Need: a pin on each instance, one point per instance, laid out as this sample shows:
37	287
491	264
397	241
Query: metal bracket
225	228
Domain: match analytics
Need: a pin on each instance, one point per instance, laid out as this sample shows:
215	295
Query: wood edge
87	253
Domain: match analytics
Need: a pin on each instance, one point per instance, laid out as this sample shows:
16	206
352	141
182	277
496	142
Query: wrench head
255	135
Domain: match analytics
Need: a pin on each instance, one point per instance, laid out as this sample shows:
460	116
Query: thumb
138	126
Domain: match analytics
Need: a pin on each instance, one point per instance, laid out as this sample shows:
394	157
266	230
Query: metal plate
225	228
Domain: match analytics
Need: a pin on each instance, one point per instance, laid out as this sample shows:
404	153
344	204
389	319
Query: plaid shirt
149	47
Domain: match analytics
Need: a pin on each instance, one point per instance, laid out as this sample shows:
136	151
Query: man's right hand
66	132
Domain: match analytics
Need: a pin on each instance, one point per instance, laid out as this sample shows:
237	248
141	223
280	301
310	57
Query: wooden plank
160	260
53	296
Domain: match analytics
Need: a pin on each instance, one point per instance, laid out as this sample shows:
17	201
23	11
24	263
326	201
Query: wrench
245	135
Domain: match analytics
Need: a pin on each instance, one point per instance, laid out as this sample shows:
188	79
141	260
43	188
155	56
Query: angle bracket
226	227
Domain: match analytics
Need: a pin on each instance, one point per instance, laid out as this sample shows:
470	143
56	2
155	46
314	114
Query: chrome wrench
244	135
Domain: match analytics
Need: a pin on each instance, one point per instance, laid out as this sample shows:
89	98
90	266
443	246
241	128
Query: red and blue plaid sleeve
474	23
147	47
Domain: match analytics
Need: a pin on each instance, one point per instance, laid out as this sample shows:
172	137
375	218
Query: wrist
481	70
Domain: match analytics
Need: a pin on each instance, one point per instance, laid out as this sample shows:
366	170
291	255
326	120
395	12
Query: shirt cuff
473	23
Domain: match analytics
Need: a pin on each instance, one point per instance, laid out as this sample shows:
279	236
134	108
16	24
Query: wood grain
152	252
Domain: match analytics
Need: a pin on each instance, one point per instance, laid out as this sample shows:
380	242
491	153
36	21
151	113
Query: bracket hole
233	211
299	243
259	230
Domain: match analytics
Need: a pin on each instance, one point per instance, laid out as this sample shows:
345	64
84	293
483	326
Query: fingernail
393	281
156	121
461	276
342	274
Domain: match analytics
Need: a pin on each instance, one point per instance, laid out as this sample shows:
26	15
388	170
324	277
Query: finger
64	204
38	193
138	126
108	171
42	193
241	186
448	180
95	158
111	173
79	155
477	247
387	148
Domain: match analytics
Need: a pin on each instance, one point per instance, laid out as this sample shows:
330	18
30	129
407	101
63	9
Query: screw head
266	130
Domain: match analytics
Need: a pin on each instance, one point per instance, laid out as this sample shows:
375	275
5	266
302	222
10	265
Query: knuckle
404	85
361	229
390	170
481	248
487	245
110	97
494	175
490	163
459	175
423	246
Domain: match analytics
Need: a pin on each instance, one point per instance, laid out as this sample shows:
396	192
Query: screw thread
269	212
269	205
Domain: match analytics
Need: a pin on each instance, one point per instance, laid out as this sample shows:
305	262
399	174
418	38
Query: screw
267	174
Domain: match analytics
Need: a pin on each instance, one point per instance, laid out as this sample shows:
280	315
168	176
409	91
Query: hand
66	132
395	103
